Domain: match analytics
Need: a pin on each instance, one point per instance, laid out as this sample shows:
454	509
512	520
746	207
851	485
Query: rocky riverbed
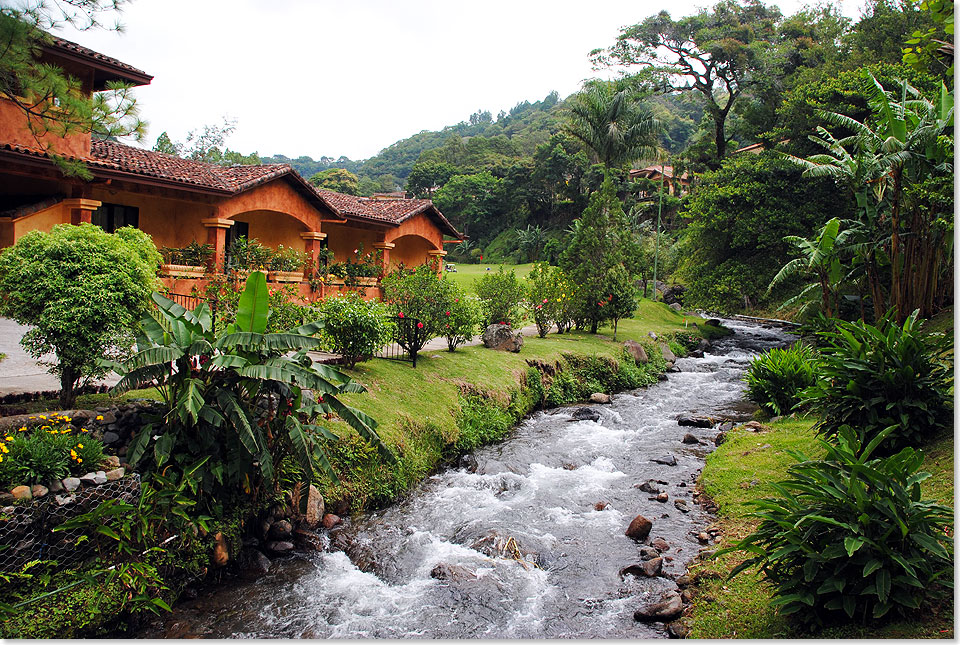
581	525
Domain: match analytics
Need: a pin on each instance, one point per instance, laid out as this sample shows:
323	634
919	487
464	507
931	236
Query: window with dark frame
110	217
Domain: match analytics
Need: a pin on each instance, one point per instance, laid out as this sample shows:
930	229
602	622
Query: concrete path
20	372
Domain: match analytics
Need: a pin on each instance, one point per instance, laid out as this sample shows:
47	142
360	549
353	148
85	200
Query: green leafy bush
249	255
354	328
47	452
849	537
688	341
543	283
501	297
287	258
463	316
82	290
776	378
418	294
872	378
193	254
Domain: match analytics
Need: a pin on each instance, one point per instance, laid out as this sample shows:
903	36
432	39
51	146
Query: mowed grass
742	470
466	275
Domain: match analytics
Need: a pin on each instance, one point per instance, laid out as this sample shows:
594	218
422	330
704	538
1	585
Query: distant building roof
654	171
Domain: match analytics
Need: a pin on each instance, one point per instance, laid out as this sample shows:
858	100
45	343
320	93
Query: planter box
367	282
286	276
336	281
183	271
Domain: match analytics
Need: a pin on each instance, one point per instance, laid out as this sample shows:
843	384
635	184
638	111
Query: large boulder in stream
666	608
639	528
585	414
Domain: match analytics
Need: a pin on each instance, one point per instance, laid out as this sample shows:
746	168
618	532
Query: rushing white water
530	545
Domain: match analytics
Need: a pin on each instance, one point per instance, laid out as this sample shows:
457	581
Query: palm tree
819	259
531	241
613	125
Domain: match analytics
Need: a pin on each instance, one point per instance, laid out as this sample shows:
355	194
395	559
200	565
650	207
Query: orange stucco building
179	201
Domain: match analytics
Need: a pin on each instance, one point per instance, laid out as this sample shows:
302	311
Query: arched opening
411	250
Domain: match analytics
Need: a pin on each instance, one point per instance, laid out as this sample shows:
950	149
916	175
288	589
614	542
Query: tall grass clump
776	378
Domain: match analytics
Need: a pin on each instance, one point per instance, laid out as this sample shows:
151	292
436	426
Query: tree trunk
68	392
896	292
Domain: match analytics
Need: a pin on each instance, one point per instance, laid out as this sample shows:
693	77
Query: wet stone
689	438
648	553
253	564
280	547
110	438
696	422
681	505
330	520
666	460
585	414
663	498
653	567
281	529
639	528
660	545
600	397
649	486
666	608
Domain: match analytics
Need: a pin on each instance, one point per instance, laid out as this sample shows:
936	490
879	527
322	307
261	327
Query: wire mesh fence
407	333
26	531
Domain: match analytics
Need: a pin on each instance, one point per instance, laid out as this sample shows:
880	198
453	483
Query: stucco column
384	248
438	255
311	244
217	238
81	210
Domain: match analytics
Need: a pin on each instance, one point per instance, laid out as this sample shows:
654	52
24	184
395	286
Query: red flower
419	325
448	313
457	300
400	314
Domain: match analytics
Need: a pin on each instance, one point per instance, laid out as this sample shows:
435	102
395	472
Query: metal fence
26	532
407	333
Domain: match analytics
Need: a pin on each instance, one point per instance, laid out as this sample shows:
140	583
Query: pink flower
448	313
419	325
400	314
457	300
356	251
544	300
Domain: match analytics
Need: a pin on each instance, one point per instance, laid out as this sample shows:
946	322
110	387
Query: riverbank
742	469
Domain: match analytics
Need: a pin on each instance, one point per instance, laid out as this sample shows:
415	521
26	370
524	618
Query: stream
524	540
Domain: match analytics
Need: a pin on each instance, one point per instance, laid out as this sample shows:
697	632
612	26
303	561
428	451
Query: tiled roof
655	171
394	211
229	179
68	46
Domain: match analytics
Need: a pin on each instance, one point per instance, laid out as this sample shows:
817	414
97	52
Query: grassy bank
741	470
423	412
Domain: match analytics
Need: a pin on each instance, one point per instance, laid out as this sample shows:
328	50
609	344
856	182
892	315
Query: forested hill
517	133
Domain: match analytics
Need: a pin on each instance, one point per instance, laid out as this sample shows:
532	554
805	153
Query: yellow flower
73	454
42	417
80	445
4	449
8	438
84	430
99	417
1	458
22	429
79	461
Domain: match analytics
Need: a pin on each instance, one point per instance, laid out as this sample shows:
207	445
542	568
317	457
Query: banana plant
240	396
820	260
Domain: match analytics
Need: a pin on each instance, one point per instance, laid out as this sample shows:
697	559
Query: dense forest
734	76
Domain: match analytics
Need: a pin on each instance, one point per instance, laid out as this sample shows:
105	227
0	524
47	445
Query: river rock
637	351
689	439
663	498
253	564
660	545
7	498
703	538
469	463
679	629
281	530
308	539
668	355
112	460
444	571
64	500
720	438
315	508
22	493
70	484
330	520
600	397
755	426
666	460
39	491
115	474
56	486
666	608
279	547
94	479
648	553
110	438
650	486
639	528
653	567
585	414
221	554
501	337
695	422
681	505
685	580
676	306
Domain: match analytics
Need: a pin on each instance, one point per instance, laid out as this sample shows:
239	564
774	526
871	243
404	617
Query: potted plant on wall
249	255
188	261
287	264
361	270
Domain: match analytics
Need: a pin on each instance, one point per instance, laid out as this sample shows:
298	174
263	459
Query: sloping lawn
467	274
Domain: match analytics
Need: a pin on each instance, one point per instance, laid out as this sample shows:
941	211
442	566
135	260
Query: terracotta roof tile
74	48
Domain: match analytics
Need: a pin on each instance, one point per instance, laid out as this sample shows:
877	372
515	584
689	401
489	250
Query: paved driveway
19	372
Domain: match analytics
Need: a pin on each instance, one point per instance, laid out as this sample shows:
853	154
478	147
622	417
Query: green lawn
741	470
467	274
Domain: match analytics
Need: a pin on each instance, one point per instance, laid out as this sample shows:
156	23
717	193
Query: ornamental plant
542	290
463	316
238	396
888	375
418	295
501	298
249	255
354	328
287	258
47	450
776	378
849	537
82	290
193	254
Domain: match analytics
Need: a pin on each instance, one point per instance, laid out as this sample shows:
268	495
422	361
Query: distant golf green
467	274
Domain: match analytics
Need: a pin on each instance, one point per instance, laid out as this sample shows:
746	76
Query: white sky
329	77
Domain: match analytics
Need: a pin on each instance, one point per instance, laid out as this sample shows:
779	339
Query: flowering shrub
354	328
501	298
361	265
249	255
463	316
422	295
287	258
46	452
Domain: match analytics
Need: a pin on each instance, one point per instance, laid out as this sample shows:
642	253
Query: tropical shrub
875	377
238	397
47	452
360	265
776	378
542	290
287	258
850	537
463	316
82	290
354	328
689	342
249	255
421	295
620	299
501	297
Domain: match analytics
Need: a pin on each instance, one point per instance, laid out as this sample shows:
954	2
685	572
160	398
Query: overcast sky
333	78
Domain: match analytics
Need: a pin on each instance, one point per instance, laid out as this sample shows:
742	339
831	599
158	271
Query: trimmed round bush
354	328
